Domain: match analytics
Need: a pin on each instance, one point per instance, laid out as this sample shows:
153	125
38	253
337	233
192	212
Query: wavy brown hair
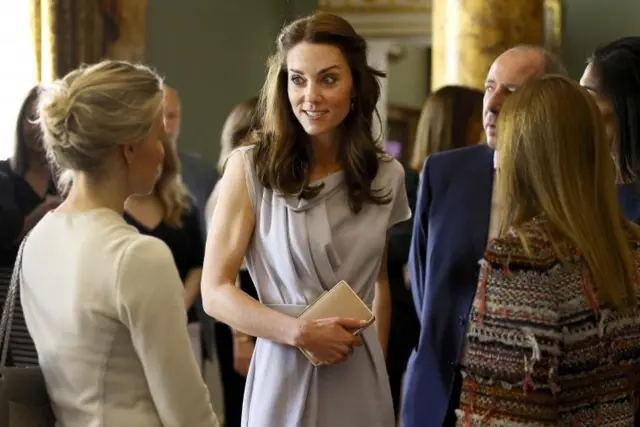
282	154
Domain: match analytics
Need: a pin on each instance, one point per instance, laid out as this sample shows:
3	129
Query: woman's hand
331	340
243	346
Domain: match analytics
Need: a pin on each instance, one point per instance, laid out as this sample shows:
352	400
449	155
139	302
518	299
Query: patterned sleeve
514	336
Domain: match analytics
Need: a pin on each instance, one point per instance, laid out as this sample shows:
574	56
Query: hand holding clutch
333	323
329	341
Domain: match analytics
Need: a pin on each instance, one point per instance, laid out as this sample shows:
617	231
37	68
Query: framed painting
553	26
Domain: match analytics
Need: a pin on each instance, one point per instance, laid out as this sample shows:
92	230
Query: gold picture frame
552	19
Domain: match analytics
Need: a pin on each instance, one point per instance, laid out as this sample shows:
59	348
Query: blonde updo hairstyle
91	111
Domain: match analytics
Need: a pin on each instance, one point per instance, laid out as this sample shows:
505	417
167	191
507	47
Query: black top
17	201
185	244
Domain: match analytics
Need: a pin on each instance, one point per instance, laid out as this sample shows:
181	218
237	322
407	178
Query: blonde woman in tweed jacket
554	331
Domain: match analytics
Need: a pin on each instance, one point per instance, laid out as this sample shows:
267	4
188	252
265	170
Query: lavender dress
299	249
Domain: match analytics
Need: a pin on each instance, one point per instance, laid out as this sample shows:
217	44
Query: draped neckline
331	184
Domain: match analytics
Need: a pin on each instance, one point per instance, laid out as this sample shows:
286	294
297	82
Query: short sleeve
151	304
211	205
253	183
400	210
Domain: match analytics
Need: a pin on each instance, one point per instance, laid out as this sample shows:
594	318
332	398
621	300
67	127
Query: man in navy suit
450	233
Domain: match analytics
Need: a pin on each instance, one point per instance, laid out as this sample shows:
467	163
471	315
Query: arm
231	229
328	340
382	304
243	346
192	286
151	305
419	240
196	257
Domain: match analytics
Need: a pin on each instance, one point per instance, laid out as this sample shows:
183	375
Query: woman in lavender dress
308	202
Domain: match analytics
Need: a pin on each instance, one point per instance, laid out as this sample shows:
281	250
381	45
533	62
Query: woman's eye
297	80
329	80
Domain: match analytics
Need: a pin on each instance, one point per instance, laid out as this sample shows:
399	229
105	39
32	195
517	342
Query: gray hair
552	63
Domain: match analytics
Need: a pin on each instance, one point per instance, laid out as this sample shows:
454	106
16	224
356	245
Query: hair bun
53	111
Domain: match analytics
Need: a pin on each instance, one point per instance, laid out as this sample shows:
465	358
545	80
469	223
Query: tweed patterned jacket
541	349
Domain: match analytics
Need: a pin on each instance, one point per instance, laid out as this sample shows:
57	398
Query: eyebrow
324	70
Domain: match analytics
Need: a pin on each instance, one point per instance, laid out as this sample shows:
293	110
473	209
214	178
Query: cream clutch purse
339	301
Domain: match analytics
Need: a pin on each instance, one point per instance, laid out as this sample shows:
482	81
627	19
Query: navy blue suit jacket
629	200
450	231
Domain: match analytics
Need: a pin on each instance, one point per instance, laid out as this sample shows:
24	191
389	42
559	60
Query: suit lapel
482	175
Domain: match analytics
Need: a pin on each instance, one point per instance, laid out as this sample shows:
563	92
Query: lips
315	114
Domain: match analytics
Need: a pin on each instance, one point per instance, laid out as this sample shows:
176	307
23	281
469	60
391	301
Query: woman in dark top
612	76
170	215
27	193
185	243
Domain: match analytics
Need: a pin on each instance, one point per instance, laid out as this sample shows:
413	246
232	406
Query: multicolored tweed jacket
541	349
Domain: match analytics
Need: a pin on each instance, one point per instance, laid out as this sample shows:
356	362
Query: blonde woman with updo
103	303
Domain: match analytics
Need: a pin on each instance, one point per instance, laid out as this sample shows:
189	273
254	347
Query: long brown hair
444	122
23	155
555	162
283	149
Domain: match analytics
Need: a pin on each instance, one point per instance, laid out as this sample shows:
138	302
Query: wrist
296	333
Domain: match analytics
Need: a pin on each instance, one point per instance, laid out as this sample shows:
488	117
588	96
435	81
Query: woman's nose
312	93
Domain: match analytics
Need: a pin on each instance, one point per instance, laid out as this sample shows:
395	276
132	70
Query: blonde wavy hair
172	192
88	113
555	162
